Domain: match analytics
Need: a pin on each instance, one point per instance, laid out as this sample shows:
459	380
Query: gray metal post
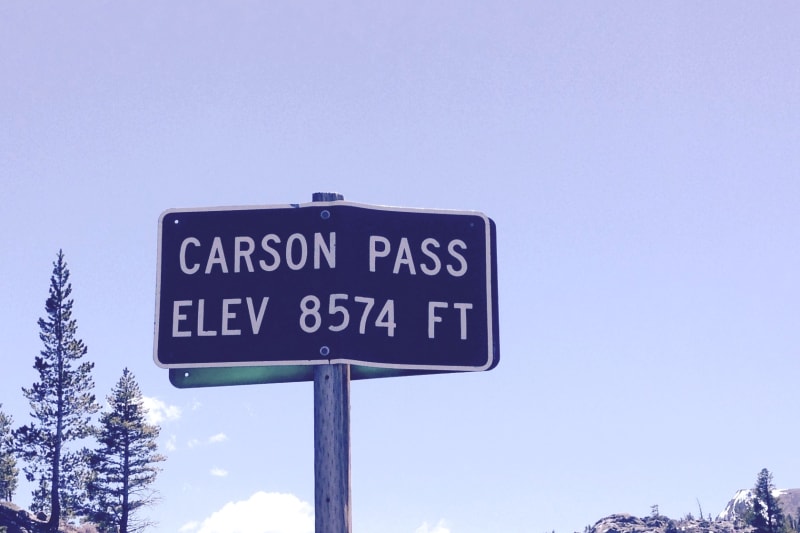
331	439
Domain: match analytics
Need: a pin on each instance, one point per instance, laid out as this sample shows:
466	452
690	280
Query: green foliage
125	464
8	462
41	497
654	510
62	404
766	515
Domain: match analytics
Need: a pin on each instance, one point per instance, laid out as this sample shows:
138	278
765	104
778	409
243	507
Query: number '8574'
339	315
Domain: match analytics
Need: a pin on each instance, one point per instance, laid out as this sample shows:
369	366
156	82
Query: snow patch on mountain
738	506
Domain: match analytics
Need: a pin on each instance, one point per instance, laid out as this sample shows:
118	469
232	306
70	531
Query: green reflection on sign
188	378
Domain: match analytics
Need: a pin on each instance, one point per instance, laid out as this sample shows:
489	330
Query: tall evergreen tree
62	402
125	464
766	515
8	462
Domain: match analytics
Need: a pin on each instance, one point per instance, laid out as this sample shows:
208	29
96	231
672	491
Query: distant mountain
788	499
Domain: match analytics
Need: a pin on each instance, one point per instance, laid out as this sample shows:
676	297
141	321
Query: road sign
406	290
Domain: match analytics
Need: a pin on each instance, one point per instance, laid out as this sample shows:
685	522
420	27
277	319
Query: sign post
332	449
332	512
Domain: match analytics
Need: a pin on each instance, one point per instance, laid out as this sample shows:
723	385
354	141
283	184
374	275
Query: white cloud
158	411
262	513
171	444
219	472
440	527
219	437
213	439
189	526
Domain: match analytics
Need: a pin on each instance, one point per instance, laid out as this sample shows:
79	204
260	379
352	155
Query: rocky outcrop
17	520
625	523
790	502
620	523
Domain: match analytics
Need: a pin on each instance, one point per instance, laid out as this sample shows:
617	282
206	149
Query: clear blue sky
641	161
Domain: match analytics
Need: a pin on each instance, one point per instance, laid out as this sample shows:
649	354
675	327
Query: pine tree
126	463
8	462
766	515
62	404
